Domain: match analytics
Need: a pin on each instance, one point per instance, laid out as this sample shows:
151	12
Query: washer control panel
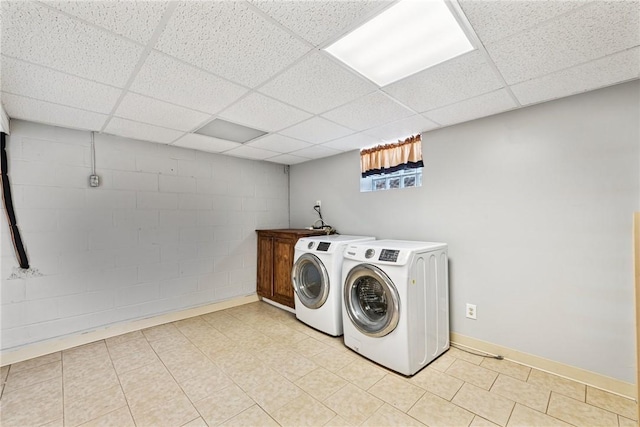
389	255
323	246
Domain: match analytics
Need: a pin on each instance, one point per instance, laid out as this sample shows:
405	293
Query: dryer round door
371	300
310	281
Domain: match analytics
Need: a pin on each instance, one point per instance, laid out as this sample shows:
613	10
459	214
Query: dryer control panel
389	255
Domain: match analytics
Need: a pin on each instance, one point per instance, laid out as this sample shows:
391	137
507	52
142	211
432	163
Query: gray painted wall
169	228
536	205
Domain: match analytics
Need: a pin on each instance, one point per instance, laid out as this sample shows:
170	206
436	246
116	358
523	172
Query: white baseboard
567	371
277	304
30	351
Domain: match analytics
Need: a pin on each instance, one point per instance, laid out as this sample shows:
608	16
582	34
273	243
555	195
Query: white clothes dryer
396	302
317	280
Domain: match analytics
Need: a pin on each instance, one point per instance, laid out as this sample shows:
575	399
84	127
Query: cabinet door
283	251
265	266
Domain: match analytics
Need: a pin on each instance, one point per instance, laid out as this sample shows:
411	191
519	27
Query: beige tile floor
256	365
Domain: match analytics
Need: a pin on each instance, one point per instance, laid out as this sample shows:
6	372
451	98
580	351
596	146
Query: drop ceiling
158	71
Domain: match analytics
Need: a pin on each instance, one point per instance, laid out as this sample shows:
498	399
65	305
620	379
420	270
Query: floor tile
34	363
144	399
134	361
167	330
85	352
309	347
303	411
490	406
558	384
274	393
353	404
481	422
437	382
463	355
397	392
387	415
254	416
338	421
37	404
321	383
168	344
579	413
206	383
434	411
223	405
119	339
294	366
472	374
175	412
507	367
443	362
626	422
527	417
37	374
361	373
129	347
92	406
144	377
528	394
89	382
120	418
612	402
333	359
198	422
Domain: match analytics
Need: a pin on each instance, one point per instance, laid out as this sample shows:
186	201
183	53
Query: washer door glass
310	281
371	300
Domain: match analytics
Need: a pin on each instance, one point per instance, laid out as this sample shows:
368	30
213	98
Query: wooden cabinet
275	260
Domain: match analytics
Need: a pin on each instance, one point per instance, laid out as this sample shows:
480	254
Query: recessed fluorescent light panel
223	129
410	36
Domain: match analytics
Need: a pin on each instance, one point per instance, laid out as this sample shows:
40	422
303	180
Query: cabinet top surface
302	231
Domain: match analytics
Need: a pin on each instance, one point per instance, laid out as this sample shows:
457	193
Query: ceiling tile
166	78
317	84
250	153
369	111
599	29
19	107
278	143
353	142
495	20
148	110
22	78
40	35
136	20
287	159
461	78
318	21
229	39
317	130
316	152
402	128
470	109
592	75
261	112
141	131
205	143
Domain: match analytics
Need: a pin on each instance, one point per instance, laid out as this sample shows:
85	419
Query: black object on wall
8	205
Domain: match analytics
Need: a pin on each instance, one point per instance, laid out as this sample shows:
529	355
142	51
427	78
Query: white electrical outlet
94	180
318	203
471	311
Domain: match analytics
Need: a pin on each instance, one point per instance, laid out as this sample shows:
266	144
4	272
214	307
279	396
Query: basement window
392	166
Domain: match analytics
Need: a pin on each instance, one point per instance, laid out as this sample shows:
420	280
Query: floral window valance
389	158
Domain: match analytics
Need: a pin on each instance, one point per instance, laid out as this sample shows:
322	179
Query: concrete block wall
168	228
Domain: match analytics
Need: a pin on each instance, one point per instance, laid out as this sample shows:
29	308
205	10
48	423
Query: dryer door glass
371	300
310	281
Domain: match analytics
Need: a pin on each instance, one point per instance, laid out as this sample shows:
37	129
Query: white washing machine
396	302
317	280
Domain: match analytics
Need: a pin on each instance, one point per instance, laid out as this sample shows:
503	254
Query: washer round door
371	300
310	281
